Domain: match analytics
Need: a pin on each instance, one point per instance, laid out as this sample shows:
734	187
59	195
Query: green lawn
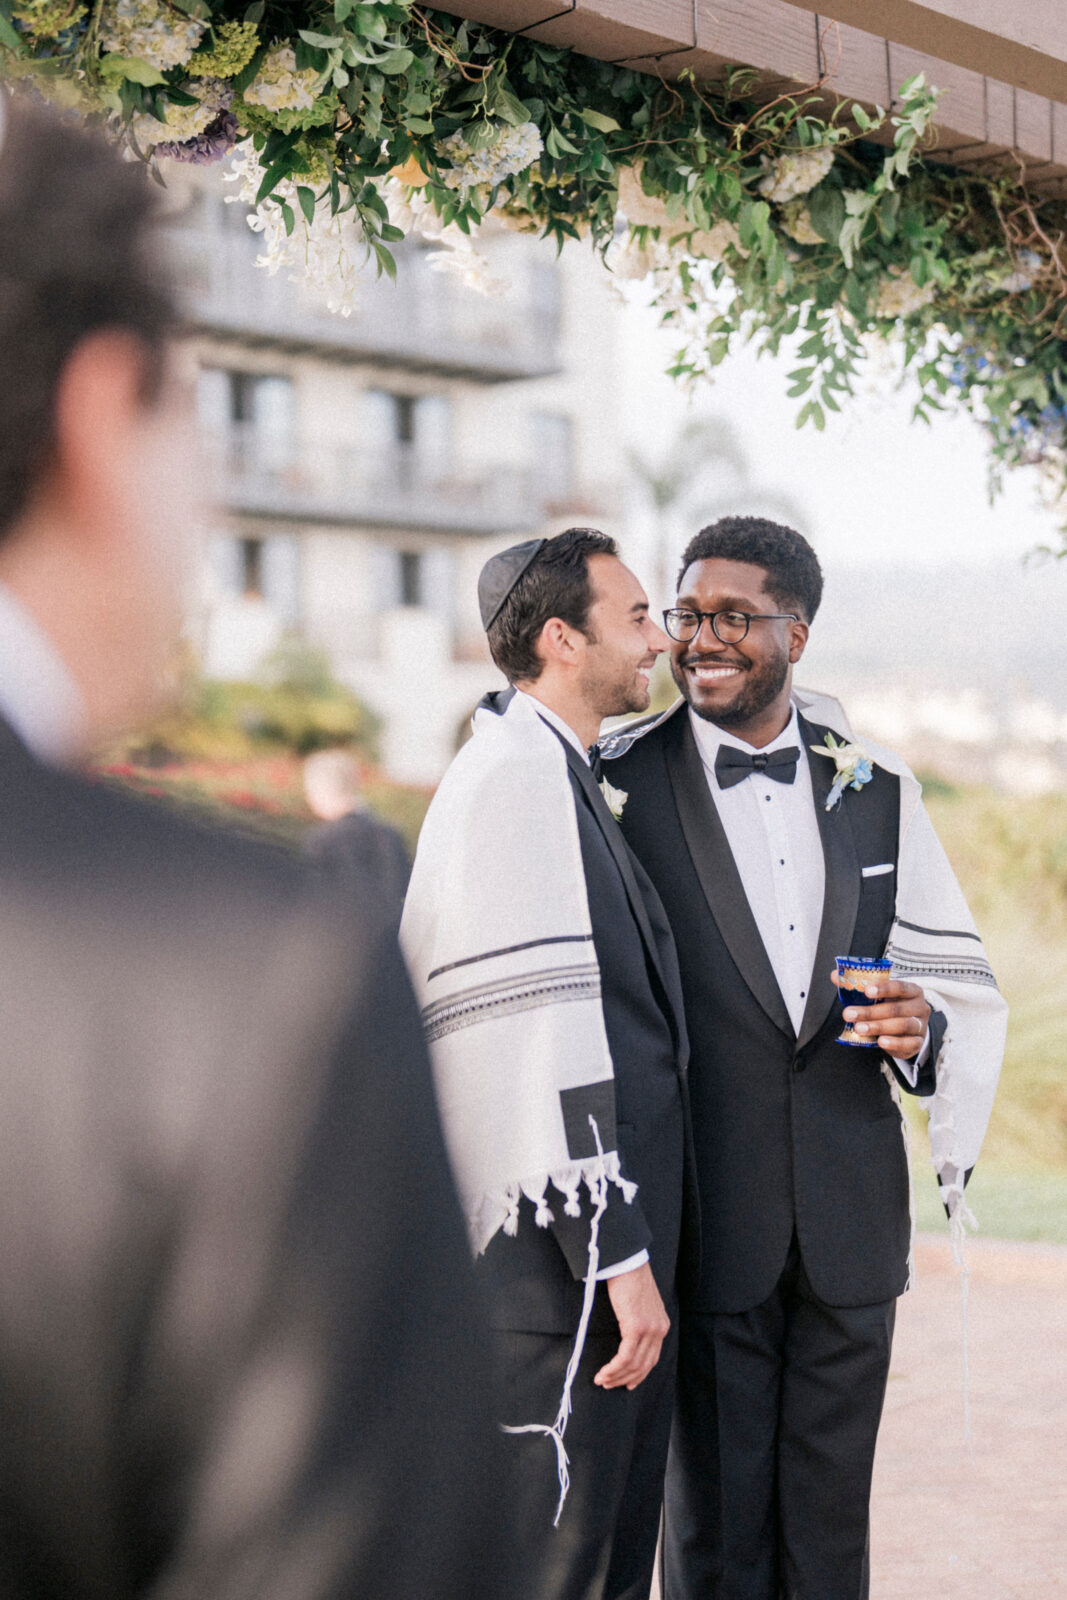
1011	856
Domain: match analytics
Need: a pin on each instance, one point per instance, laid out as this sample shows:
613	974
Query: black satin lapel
619	849
841	897
717	872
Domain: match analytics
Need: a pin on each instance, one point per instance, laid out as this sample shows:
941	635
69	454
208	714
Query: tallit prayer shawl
498	940
934	942
497	937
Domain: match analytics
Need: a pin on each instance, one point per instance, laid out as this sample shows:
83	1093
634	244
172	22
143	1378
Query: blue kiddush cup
854	973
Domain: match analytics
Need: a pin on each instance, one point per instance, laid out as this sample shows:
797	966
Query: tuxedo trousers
772	1449
605	1545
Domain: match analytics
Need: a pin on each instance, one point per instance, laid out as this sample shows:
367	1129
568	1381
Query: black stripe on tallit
938	933
510	949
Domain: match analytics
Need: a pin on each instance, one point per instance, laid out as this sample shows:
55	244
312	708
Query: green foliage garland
778	221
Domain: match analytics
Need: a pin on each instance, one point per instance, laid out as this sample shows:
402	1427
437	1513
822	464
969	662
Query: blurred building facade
366	466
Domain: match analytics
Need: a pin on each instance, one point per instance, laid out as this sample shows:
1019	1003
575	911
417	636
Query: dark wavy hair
77	230
794	577
555	584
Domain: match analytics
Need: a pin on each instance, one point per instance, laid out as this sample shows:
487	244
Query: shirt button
781	861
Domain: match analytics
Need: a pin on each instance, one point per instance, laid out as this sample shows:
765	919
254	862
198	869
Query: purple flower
217	139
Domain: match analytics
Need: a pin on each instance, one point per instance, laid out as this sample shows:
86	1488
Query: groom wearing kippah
551	1000
777	844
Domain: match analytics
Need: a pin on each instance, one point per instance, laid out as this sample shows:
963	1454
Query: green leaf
860	118
321	41
287	215
131	67
597	120
306	198
254	12
395	62
9	34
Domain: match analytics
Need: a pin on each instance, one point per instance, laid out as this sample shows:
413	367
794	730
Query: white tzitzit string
598	1188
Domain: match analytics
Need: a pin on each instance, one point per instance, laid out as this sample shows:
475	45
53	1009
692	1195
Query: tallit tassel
559	1427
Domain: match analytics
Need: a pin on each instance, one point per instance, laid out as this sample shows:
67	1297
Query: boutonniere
615	798
854	766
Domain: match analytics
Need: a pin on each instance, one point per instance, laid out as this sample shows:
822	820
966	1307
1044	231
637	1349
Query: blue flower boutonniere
854	766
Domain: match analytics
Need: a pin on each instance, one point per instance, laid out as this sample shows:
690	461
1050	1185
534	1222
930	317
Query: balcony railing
426	321
396	487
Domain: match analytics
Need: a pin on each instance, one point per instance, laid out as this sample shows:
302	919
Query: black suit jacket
791	1131
534	1280
361	849
239	1353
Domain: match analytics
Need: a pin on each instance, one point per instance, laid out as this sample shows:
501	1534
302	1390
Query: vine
356	122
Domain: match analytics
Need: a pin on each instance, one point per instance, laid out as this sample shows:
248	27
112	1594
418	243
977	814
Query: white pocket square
876	872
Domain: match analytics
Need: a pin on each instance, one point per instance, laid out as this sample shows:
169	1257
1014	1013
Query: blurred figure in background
351	842
238	1336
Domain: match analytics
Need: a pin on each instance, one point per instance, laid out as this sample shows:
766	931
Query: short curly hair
794	577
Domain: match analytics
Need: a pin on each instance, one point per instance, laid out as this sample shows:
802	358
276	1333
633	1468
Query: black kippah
500	575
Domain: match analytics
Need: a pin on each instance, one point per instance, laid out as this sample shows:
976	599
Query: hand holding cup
879	1010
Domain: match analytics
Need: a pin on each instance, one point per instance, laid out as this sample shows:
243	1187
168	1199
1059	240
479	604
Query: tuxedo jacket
535	1279
239	1353
792	1131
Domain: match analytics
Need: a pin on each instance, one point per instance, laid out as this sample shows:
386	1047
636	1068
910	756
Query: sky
874	488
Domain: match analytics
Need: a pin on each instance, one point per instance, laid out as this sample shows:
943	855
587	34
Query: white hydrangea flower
795	173
460	260
183	122
279	86
1028	268
149	31
796	222
511	151
328	256
899	295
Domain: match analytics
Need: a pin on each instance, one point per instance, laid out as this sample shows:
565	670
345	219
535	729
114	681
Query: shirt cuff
909	1065
631	1264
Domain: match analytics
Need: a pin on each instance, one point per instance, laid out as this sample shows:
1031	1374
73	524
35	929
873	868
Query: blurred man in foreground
237	1347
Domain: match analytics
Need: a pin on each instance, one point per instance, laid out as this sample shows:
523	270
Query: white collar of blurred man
95	568
39	697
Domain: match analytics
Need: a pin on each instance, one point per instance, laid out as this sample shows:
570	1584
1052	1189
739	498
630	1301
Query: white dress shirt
38	694
773	832
565	730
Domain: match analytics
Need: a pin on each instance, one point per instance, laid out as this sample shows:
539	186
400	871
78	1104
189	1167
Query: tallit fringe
905	1129
567	1180
960	1215
596	1174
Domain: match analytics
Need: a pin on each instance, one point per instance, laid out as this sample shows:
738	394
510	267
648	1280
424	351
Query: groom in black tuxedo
801	1158
572	632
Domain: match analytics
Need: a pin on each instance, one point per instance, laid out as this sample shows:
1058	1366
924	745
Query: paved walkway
989	1523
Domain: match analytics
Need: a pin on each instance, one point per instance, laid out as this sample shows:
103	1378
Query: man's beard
760	687
613	697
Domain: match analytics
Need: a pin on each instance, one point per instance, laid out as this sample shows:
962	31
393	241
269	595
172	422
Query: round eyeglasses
728	626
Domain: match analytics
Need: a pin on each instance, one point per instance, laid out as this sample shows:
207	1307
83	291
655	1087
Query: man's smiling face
738	686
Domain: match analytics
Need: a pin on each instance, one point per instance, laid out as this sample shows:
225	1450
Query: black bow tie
596	765
733	766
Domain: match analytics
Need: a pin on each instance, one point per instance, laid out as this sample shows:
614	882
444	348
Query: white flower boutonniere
854	766
615	798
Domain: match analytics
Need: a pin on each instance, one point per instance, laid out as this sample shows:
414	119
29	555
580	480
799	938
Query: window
410	578
252	413
259	568
251	568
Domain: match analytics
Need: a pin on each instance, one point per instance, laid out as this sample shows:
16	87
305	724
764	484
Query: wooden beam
1023	44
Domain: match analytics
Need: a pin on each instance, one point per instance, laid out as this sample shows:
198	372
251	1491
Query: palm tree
704	474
